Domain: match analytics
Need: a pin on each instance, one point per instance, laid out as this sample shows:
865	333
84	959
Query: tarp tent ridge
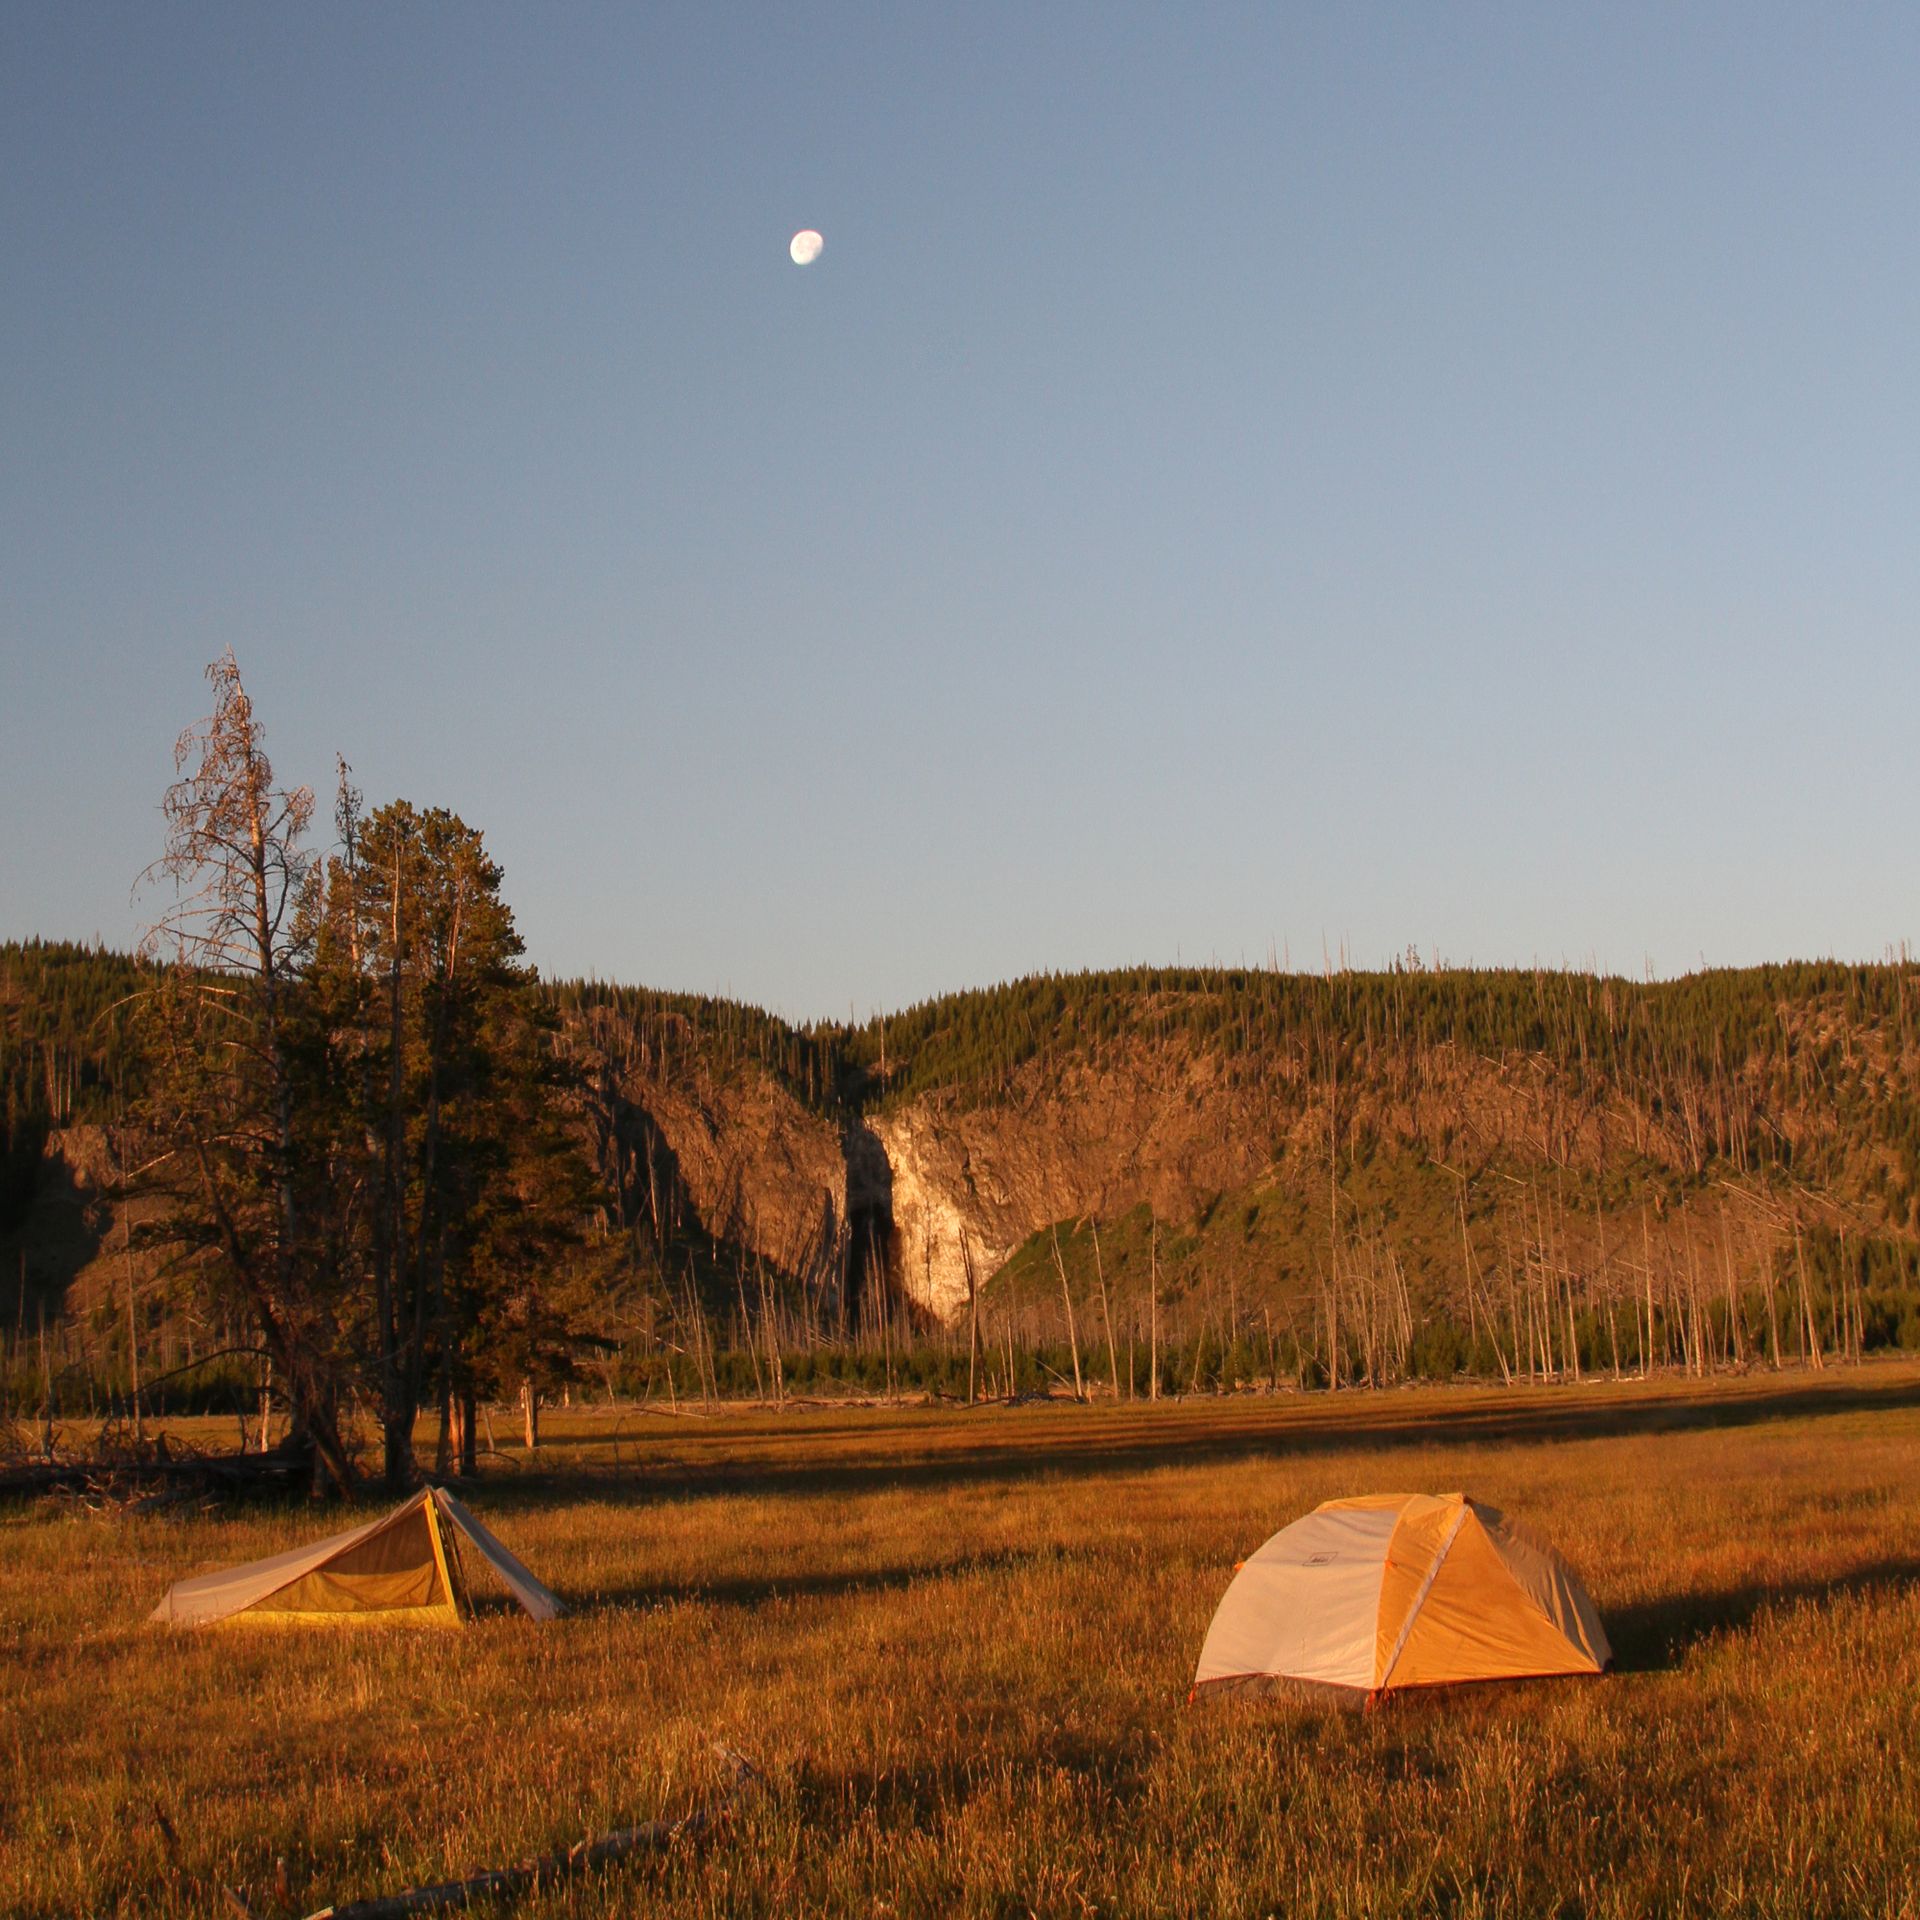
396	1567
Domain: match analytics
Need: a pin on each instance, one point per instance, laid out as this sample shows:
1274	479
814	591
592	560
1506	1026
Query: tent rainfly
403	1567
1397	1590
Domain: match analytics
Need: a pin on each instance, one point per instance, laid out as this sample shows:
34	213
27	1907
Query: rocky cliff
1257	1116
948	1179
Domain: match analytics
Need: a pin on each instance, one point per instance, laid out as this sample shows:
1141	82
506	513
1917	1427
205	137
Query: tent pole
440	1553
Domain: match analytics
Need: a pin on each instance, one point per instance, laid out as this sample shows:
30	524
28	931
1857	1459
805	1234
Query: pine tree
460	1182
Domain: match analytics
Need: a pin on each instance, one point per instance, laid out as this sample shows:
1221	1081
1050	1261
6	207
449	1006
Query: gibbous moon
806	247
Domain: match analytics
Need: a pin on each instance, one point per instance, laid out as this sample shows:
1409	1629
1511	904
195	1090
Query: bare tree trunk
1466	1271
1696	1305
390	1235
46	1381
1849	1295
1607	1286
1013	1373
1773	1310
1646	1248
1332	1290
133	1323
770	1327
1736	1340
746	1325
973	1321
1806	1303
1073	1335
1153	1306
1471	1267
886	1338
1106	1314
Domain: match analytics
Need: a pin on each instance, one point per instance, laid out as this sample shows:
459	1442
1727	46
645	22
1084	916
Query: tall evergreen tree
457	1176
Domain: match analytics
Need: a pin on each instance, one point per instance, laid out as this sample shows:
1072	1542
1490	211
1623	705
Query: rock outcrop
972	1183
946	1182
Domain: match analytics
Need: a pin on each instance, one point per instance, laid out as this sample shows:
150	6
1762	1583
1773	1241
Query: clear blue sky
1238	477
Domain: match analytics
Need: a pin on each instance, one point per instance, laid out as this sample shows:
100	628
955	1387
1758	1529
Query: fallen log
528	1876
126	1479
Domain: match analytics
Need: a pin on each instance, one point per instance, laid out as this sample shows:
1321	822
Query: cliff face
939	1183
1482	1107
942	1182
1173	1128
72	1245
974	1182
927	1185
739	1157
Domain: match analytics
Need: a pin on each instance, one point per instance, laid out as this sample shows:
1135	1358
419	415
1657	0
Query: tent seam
1420	1598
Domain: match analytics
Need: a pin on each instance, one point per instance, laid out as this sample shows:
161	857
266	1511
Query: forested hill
1793	1017
1510	1170
1405	1169
64	1054
1754	1067
1805	1065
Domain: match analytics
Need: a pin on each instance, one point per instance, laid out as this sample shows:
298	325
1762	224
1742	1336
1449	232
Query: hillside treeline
1796	1079
372	1150
1722	1170
66	1053
1808	1068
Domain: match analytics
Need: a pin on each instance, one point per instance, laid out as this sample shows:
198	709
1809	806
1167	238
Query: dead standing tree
1073	1332
223	1099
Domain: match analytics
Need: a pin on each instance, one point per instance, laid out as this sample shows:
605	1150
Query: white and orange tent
1399	1590
402	1567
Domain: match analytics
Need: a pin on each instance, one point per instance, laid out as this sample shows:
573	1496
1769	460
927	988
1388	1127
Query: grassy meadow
957	1644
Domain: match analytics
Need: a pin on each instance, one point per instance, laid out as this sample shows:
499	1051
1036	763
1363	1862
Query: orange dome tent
1399	1590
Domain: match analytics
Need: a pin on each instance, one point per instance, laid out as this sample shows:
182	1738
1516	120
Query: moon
806	247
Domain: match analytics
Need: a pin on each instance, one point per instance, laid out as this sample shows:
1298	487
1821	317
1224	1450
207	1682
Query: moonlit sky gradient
1238	478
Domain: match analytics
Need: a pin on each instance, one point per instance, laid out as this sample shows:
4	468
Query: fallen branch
527	1876
110	1478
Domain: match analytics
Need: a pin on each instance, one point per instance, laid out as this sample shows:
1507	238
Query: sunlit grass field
957	1644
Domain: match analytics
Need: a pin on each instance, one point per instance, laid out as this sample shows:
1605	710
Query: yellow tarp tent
403	1567
1402	1590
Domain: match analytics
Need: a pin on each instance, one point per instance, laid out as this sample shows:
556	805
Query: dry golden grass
959	1644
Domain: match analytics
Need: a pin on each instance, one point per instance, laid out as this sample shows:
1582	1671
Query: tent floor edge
1278	1686
437	1615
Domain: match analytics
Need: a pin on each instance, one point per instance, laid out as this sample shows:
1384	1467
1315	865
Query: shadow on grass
998	1749
1127	1440
750	1594
1658	1635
